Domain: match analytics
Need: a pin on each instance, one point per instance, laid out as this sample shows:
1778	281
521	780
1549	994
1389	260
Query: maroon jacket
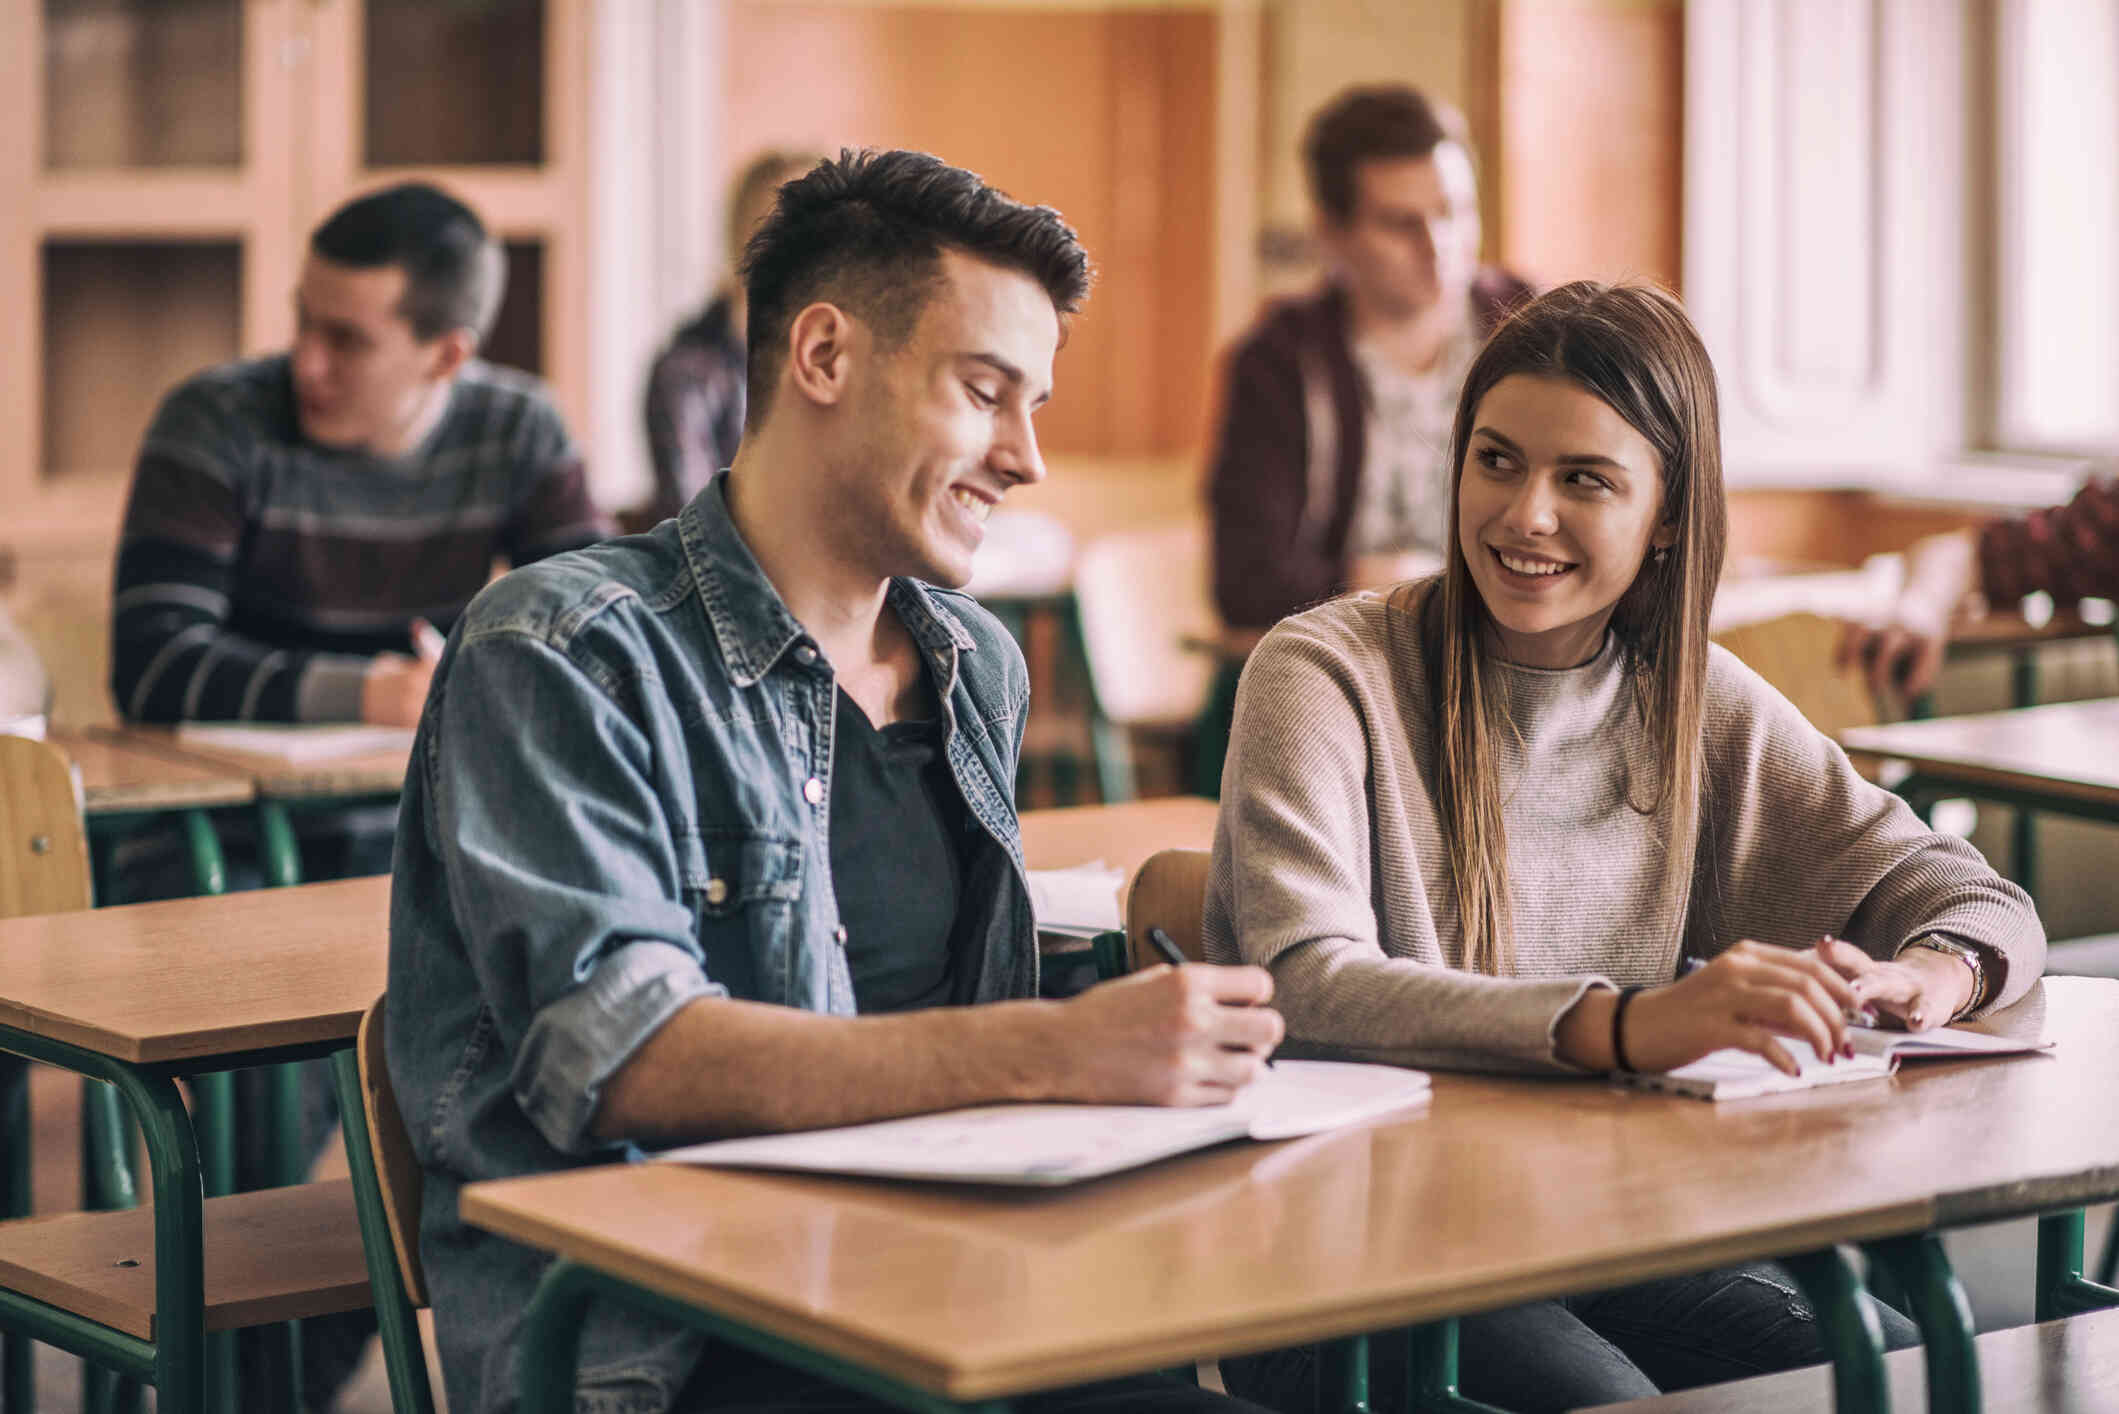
1287	463
2071	552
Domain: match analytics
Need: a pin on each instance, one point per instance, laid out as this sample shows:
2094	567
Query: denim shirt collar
753	626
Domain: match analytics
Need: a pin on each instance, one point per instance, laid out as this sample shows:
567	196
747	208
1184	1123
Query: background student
294	518
1330	464
695	389
1480	822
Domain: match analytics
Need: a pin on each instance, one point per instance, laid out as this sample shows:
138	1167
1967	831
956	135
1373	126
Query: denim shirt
620	800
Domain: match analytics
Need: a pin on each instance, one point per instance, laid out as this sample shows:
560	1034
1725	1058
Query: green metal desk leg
2062	1289
549	1347
107	1180
1846	1318
180	1261
281	859
1945	1317
209	870
2108	1264
403	1356
282	856
1431	1378
214	1117
18	1382
1343	1376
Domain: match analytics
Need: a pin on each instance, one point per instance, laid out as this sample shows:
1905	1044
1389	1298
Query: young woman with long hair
1485	822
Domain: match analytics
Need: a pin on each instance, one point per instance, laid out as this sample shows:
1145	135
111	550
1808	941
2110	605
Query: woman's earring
1662	553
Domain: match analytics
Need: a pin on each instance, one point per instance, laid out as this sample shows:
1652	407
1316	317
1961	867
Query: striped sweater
258	573
1330	867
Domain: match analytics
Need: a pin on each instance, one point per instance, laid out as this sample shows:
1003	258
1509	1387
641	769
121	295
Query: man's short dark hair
454	271
1361	125
866	231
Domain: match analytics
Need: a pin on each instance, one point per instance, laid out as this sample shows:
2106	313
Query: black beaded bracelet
1618	1018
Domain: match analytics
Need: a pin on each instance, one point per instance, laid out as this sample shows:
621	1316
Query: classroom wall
1106	113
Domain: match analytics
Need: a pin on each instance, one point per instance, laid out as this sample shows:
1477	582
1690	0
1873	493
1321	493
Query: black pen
1160	941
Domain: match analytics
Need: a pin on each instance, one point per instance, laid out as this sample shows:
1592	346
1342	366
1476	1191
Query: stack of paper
1079	902
296	745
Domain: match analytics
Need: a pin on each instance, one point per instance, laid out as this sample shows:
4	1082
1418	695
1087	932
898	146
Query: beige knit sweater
1329	865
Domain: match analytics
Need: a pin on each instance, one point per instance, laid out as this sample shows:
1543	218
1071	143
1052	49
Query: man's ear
449	351
820	347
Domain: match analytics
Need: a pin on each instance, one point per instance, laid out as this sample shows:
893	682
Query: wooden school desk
2062	758
138	996
1505	1190
121	784
281	785
1121	835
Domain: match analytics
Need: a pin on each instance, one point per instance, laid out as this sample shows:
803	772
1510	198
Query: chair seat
2055	1368
278	1254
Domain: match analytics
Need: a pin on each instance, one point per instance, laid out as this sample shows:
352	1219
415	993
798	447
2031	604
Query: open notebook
1739	1075
298	745
1050	1145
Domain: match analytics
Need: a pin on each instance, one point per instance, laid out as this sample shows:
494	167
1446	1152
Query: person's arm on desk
577	913
1189	1036
2070	552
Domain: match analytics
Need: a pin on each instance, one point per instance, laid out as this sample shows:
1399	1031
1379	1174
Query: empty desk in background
2062	758
138	996
990	1293
123	784
281	786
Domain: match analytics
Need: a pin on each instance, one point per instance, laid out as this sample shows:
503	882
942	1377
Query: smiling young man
711	831
1331	468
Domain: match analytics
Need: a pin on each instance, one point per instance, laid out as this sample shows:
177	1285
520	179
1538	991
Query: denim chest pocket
741	870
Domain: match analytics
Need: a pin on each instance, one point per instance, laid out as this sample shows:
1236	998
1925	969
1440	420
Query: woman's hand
1748	997
1922	988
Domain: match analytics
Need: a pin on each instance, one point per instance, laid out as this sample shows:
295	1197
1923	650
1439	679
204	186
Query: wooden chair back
397	1170
1794	653
43	843
1169	893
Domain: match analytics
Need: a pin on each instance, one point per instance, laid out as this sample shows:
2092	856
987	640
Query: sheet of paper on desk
1049	1145
295	744
1081	901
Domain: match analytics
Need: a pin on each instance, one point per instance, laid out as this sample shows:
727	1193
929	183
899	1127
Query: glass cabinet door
453	83
143	83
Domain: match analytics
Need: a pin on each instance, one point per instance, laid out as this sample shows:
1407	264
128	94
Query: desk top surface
2064	749
274	777
1504	1190
201	977
117	777
1122	835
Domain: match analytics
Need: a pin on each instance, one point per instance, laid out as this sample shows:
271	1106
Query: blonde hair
1634	349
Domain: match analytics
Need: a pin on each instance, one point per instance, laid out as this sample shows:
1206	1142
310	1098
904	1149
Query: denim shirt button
813	791
717	890
804	654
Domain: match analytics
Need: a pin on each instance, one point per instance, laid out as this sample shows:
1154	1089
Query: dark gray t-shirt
898	834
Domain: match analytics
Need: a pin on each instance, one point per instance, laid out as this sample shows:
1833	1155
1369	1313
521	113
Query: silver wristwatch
1964	953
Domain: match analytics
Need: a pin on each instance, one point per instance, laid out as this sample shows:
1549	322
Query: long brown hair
1633	348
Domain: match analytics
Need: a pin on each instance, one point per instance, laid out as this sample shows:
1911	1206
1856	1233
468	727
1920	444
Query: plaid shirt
2070	552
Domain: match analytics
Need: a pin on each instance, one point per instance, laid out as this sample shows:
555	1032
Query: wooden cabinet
177	154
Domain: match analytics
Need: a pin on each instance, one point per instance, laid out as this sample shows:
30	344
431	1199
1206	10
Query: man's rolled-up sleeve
563	872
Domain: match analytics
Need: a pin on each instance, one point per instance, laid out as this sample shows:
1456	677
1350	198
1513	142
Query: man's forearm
720	1067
